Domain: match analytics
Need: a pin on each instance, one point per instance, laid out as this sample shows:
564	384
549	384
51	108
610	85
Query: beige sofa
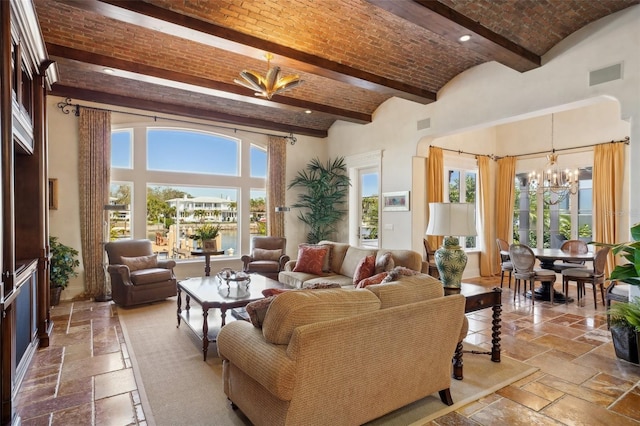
343	260
343	356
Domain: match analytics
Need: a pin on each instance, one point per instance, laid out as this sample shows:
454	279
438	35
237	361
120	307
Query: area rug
177	387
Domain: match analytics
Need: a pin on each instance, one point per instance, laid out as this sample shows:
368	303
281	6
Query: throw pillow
268	292
397	272
366	267
376	279
262	254
310	259
326	266
140	262
258	309
384	263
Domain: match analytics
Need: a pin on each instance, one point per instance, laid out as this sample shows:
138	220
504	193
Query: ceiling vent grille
424	124
603	75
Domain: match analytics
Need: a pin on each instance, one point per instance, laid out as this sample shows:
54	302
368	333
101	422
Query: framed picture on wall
395	201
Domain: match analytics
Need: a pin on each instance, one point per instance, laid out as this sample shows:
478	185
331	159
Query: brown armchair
267	256
137	276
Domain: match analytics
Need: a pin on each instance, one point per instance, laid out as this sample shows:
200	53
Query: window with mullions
192	178
462	188
548	227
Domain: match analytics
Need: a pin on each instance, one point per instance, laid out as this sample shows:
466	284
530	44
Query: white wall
492	94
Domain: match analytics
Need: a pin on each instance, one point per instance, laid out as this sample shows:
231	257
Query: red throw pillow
310	259
366	268
376	279
267	292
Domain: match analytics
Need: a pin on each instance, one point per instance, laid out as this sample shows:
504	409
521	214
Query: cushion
326	265
258	309
293	309
338	251
384	263
140	262
366	267
351	259
376	279
262	254
407	289
310	259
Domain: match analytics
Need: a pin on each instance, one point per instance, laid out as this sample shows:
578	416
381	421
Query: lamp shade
452	219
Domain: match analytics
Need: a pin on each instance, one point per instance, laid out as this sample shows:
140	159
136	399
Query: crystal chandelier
271	83
554	183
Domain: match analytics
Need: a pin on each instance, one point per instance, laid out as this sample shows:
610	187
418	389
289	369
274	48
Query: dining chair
583	276
571	246
433	269
524	262
505	261
618	292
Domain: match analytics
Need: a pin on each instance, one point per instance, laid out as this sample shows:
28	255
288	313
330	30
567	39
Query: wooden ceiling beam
450	24
150	74
158	19
180	110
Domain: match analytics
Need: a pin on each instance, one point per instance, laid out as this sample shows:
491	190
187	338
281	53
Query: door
369	196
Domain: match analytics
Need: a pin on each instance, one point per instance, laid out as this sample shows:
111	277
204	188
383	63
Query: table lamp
451	220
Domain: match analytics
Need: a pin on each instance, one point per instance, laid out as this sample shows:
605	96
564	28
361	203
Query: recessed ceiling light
464	38
308	111
108	71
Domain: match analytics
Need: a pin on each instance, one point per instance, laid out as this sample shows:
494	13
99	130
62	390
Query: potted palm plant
625	317
62	267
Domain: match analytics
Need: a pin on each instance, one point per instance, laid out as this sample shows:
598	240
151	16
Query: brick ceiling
181	57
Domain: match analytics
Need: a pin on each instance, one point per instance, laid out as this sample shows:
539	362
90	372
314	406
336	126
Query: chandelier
271	83
554	183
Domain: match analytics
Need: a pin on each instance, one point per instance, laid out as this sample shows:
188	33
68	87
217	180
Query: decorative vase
450	261
54	295
210	245
625	343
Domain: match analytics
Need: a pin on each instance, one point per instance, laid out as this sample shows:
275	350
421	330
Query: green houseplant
207	233
325	190
63	264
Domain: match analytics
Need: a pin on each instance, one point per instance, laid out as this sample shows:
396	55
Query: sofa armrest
243	345
425	267
288	266
246	259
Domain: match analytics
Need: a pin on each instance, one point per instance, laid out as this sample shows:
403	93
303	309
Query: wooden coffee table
479	297
210	292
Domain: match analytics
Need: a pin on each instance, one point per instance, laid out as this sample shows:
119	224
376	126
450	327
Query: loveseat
341	263
343	356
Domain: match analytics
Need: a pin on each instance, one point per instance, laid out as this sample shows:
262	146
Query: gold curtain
276	185
94	174
435	186
487	255
505	191
608	175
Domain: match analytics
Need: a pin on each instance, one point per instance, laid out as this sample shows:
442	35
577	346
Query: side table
479	298
207	258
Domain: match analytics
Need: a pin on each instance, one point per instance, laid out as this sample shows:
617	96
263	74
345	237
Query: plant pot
625	343
210	245
54	294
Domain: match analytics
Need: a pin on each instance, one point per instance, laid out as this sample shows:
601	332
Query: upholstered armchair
137	276
267	256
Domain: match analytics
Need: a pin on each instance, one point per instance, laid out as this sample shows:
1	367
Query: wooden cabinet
24	291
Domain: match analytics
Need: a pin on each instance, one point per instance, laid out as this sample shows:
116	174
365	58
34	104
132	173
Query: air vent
603	75
424	124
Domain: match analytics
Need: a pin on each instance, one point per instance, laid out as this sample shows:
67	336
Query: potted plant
625	317
325	193
208	233
625	326
63	264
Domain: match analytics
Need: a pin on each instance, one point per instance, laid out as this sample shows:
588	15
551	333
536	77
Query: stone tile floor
85	376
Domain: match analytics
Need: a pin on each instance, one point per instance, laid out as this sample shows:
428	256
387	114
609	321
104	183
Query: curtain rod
626	141
67	107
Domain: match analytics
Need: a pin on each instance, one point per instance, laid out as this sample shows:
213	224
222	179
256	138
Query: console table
477	298
207	258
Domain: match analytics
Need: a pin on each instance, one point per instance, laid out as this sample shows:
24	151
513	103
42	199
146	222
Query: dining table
547	257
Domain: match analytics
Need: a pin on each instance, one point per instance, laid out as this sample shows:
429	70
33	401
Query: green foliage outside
64	261
370	215
323	198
